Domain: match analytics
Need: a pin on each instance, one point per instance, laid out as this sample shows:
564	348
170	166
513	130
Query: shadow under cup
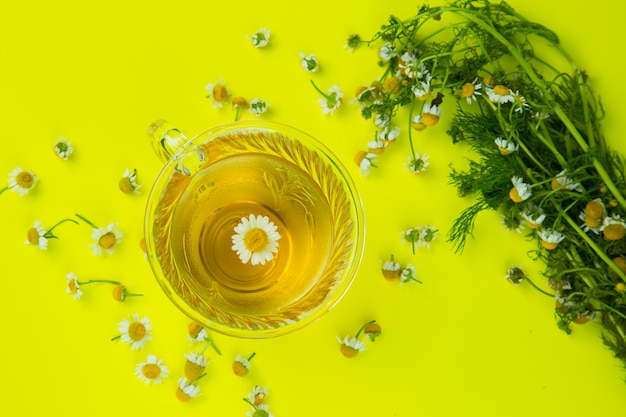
222	179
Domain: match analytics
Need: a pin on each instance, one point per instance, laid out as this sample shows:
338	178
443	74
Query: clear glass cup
214	187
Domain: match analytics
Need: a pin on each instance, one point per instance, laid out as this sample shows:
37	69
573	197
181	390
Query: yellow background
466	342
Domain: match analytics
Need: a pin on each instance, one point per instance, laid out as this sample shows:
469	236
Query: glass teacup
252	228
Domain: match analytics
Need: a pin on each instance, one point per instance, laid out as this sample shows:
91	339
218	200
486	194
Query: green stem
49	232
4	189
539	289
326	96
251	356
116	337
86	221
363	327
93	281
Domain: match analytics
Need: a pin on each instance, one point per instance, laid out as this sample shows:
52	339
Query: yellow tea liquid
216	199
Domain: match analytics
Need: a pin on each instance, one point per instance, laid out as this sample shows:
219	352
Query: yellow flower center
468	90
620	262
430	119
258	399
126	186
25	179
142	244
514	195
193	370
33	236
194	329
614	232
136	331
620	287
182	396
107	240
255	239
592	222
501	90
119	293
239	369
594	209
504	151
549	245
71	285
348	351
151	371
392	84
239	101
220	93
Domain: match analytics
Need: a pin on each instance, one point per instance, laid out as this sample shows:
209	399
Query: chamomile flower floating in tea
151	370
187	389
260	38
258	106
330	101
255	239
309	62
106	238
241	365
134	331
217	93
128	183
21	181
63	148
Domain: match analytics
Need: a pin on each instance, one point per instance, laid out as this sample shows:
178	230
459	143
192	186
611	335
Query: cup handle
166	139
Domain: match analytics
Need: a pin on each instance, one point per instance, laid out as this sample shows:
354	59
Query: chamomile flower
241	365
520	191
152	370
63	148
257	395
421	90
196	332
589	224
391	269
389	134
331	100
21	181
261	410
431	114
470	90
387	51
593	216
500	94
258	106
407	65
505	146
351	346
418	163
36	236
260	38
515	275
372	331
533	216
417	123
128	183
195	365
352	42
550	238
309	62
409	274
511	222
377	147
520	102
186	390
135	331
120	293
218	93
365	161
255	239
72	286
613	228
563	181
382	120
105	239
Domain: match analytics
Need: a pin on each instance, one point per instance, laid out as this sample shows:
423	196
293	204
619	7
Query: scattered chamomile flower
258	106
387	51
470	90
563	181
506	147
520	191
187	390
500	94
309	62
613	228
241	365
352	42
260	38
420	236
128	183
38	236
152	370
239	102
199	334
120	293
218	93
365	161
351	346
330	101
257	395
391	269
515	275
255	239
372	331
550	238
261	410
418	163
377	147
134	331
195	365
63	148
105	238
72	286
409	274
21	181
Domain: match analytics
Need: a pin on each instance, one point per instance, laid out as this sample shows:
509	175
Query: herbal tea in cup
253	229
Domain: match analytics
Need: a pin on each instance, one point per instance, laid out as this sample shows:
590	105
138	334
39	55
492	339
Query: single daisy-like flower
372	331
392	84
152	370
218	93
135	331
589	224
431	114
500	94
613	228
387	51
351	346
365	161
391	269
21	181
421	90
309	62
120	293
520	102
258	106
36	236
593	216
63	148
389	134
377	147
533	216
418	163
408	274
471	90
241	365
417	123
511	222
128	184
72	286
186	390
520	191
352	42
550	238
331	100
505	146
563	181
382	120
515	275
261	410
260	38
257	395
407	65
255	239
195	364
105	239
196	332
